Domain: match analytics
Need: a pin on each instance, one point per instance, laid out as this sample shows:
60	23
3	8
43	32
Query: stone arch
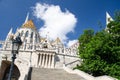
5	68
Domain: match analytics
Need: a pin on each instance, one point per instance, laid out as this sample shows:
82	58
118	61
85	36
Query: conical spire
57	40
9	34
27	17
108	18
28	23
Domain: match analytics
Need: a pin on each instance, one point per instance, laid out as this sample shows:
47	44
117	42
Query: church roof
42	39
29	24
58	40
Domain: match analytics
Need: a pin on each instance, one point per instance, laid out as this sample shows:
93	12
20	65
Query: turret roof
29	24
58	40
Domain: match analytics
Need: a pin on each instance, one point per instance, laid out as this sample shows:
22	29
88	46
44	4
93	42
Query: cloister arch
5	68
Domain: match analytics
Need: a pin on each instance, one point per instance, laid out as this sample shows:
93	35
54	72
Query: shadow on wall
57	58
5	68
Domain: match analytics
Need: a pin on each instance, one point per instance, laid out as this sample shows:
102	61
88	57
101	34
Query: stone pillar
49	61
52	64
43	60
46	61
24	45
33	41
40	61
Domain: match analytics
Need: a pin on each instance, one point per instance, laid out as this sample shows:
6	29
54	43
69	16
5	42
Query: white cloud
56	22
71	42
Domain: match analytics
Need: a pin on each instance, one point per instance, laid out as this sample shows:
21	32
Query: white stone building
35	51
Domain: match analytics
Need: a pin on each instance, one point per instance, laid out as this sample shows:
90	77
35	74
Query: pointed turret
9	34
27	17
108	18
57	40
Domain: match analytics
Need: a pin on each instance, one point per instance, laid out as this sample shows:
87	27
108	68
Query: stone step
52	74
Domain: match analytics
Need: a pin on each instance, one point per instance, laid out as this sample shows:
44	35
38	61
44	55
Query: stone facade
35	51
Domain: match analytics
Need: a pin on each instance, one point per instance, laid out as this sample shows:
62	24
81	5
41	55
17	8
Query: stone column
52	64
49	61
40	61
46	61
35	60
33	41
43	60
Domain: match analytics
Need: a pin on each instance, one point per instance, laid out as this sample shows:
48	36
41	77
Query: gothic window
36	37
31	40
62	50
31	35
26	41
18	34
26	35
22	33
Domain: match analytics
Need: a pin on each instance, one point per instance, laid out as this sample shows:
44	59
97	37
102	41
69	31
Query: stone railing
71	51
87	76
37	47
46	50
69	60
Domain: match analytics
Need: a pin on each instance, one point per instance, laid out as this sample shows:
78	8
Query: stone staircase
52	74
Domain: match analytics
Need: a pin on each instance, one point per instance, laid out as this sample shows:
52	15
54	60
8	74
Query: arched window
26	35
45	45
22	33
36	37
18	34
31	35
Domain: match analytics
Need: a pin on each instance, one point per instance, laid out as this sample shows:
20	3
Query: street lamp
16	43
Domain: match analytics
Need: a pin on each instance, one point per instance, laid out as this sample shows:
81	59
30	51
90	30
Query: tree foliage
101	51
85	38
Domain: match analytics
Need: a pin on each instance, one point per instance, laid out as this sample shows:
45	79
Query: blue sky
87	12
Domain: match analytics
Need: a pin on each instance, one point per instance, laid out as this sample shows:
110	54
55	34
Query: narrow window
36	37
26	35
22	33
31	35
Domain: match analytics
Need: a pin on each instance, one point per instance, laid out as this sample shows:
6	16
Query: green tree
117	16
100	52
85	38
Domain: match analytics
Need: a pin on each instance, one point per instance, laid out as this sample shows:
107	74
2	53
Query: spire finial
10	32
27	17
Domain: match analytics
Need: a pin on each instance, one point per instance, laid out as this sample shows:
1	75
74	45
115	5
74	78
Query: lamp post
16	43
